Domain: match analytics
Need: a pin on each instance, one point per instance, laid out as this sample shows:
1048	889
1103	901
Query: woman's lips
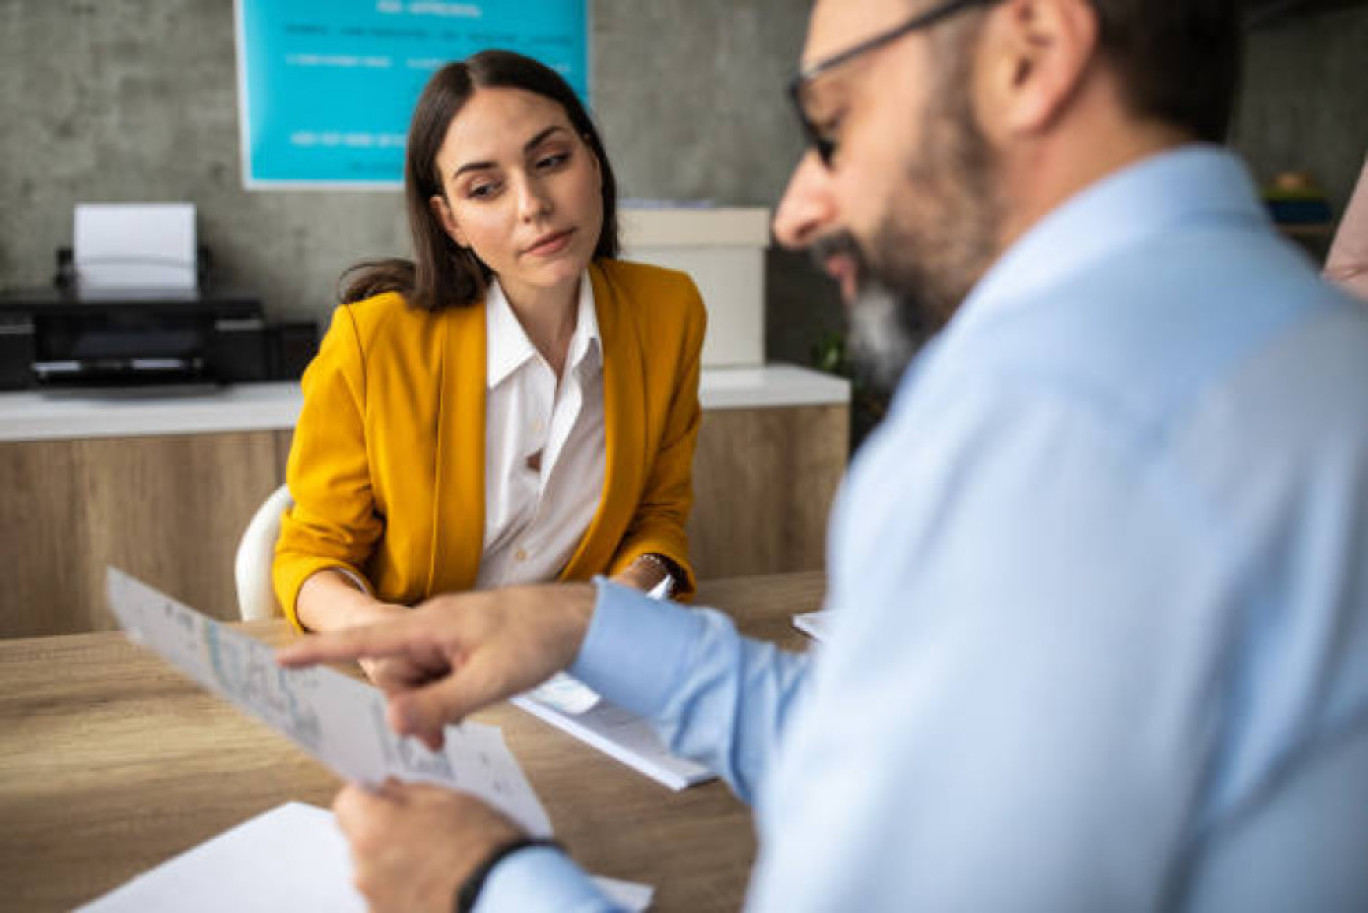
550	244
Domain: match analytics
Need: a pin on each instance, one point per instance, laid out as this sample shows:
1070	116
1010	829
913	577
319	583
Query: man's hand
413	845
459	652
394	674
390	673
331	599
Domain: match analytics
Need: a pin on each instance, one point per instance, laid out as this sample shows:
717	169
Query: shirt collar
508	346
585	346
1175	188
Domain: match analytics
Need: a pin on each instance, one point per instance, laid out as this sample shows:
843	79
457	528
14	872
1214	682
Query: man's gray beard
880	345
932	248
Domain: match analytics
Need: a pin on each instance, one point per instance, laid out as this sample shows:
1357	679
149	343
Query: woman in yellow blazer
511	200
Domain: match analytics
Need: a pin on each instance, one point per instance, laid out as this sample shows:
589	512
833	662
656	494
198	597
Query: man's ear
1035	55
442	211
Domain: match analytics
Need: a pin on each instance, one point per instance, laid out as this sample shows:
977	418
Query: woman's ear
442	211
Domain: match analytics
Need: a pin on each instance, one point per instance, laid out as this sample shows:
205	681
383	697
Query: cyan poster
326	87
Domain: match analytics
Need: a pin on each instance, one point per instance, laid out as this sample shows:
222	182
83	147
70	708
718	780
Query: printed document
338	720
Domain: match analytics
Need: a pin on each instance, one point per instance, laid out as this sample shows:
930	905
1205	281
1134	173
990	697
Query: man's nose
807	209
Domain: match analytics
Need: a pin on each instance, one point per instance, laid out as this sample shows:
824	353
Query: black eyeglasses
816	137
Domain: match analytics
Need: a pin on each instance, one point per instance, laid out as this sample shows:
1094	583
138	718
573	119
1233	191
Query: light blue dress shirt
1100	594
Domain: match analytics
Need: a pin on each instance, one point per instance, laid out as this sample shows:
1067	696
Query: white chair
256	551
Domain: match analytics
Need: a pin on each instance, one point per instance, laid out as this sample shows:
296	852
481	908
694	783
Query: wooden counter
164	487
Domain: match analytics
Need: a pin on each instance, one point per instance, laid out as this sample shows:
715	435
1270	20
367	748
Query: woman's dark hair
442	273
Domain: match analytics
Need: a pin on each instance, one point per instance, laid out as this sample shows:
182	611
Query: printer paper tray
119	372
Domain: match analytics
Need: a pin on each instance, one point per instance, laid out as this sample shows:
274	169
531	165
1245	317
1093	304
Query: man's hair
1178	60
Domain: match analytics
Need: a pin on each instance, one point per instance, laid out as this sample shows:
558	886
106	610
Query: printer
130	306
54	339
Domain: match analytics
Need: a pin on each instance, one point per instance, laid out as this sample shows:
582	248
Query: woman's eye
546	163
482	191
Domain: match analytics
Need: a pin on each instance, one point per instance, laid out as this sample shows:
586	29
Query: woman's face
522	188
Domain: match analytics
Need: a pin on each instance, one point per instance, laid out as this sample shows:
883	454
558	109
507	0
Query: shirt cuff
540	878
636	649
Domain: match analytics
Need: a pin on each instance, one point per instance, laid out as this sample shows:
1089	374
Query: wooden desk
111	763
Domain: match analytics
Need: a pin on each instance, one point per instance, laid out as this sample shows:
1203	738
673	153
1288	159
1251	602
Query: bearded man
1098	583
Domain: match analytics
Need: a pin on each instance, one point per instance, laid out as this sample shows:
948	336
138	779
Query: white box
724	251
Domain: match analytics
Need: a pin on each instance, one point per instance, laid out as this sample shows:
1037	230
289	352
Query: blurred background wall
1304	102
136	100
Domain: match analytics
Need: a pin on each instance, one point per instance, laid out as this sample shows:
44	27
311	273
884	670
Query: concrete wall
136	100
110	100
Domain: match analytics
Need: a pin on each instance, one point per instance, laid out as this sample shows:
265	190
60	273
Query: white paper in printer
144	246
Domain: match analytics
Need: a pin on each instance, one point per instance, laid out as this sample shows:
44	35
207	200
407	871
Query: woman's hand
330	600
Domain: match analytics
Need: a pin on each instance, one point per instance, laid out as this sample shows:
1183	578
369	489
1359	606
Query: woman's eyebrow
470	166
541	137
531	144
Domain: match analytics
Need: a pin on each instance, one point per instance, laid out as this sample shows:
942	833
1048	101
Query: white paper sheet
572	706
624	736
338	720
145	246
626	894
567	694
287	860
816	625
661	590
290	859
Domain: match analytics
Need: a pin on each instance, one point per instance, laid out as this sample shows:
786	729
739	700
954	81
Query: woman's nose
533	200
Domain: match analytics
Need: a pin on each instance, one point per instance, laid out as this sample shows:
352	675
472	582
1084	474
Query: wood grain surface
764	480
111	762
167	509
171	509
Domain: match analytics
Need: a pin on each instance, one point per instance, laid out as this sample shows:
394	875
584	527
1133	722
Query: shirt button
538	427
521	554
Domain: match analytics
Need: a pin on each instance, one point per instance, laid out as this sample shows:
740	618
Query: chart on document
338	720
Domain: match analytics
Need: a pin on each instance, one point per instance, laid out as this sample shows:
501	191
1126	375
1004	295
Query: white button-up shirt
544	445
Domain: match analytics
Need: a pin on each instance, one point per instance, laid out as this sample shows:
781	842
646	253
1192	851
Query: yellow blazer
387	465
